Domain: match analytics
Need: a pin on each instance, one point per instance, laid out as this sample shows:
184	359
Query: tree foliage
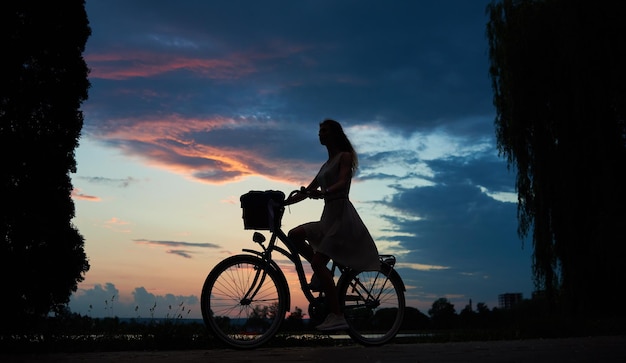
442	313
43	83
559	82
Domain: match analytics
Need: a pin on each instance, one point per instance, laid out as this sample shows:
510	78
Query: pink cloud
130	64
77	195
119	66
170	143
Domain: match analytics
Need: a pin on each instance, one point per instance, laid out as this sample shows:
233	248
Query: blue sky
194	103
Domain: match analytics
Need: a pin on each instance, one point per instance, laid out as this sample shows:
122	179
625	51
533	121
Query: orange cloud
77	195
172	143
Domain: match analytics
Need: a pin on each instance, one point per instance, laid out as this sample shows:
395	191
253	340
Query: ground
588	349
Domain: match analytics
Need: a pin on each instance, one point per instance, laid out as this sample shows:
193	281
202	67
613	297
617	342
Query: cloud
215	150
122	183
220	100
175	243
380	66
420	266
97	301
105	301
131	64
76	194
117	225
217	95
178	252
181	253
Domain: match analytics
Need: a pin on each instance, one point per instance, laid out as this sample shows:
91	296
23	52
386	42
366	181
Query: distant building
508	300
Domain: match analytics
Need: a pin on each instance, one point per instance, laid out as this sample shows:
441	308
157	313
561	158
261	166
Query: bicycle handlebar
313	194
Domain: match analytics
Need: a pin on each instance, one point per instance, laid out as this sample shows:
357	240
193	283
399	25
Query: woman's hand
296	196
315	194
303	193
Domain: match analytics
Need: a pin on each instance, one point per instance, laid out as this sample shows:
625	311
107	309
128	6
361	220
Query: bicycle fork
257	282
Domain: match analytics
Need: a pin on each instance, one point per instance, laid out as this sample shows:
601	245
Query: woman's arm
304	193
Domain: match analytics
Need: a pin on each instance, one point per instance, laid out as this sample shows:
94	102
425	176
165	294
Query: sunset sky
194	103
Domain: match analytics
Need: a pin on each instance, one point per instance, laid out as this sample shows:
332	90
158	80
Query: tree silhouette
260	312
295	320
414	319
43	83
296	314
442	313
559	81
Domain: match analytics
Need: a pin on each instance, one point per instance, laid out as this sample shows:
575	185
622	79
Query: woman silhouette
340	234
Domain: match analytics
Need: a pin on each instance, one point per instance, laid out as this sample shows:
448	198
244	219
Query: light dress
341	234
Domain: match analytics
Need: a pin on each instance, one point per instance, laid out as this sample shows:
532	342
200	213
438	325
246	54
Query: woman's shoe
333	322
315	285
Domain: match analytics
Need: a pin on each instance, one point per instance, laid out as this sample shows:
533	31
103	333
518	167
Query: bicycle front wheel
373	304
244	301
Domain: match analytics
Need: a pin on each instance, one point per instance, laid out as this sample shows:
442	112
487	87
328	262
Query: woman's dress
341	234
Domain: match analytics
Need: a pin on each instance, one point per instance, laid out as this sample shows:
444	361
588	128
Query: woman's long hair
343	143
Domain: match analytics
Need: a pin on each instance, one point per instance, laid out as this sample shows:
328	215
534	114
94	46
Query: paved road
570	350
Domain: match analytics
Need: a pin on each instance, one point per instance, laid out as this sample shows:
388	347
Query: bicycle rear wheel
244	301
373	304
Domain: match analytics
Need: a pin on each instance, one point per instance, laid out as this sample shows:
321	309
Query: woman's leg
318	263
298	237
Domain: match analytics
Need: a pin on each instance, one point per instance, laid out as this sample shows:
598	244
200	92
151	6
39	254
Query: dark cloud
181	253
122	183
407	63
101	301
168	306
459	226
283	68
178	252
176	243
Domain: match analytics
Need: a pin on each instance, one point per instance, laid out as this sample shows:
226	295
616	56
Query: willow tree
43	83
559	82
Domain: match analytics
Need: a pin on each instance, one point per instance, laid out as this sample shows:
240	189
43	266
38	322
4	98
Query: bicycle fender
393	274
260	254
276	268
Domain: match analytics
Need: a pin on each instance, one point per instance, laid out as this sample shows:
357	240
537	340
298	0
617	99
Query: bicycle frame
294	257
291	253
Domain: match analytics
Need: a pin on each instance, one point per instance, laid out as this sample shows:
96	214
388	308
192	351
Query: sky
194	103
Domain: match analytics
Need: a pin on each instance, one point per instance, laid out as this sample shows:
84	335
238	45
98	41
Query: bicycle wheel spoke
373	304
243	301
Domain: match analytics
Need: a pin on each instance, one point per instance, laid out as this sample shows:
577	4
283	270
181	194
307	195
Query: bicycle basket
262	209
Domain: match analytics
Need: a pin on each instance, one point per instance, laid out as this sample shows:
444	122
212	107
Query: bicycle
246	297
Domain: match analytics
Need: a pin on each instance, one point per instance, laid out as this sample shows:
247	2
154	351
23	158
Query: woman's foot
333	322
315	285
